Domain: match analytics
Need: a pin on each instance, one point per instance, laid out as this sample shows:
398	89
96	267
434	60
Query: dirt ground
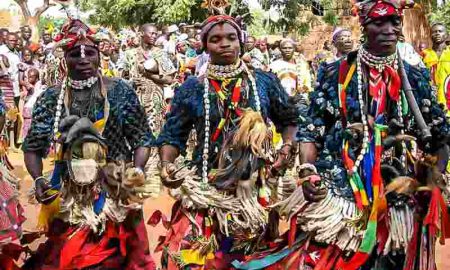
163	203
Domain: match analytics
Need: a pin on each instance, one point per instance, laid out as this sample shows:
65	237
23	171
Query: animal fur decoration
242	149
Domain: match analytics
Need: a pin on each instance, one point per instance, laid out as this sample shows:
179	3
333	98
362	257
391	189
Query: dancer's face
82	68
382	35
222	44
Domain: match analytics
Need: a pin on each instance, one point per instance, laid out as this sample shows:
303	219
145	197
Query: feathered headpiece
217	9
369	10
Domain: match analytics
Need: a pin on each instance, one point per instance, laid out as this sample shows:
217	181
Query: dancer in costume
219	215
369	194
91	205
437	60
293	72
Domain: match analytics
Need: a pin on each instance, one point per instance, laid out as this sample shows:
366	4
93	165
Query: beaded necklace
81	84
371	153
63	100
227	72
377	62
345	75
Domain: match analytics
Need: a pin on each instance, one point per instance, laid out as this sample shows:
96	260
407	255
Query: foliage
441	15
121	13
46	21
298	16
331	18
258	27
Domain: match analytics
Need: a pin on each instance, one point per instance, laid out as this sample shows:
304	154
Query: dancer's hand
283	159
43	191
312	190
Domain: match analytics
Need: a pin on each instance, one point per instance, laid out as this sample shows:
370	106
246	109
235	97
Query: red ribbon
381	82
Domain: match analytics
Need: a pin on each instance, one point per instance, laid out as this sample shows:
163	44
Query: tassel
411	254
49	212
292	230
264	194
208	227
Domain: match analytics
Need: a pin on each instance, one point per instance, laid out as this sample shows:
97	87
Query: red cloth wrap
120	246
369	11
75	33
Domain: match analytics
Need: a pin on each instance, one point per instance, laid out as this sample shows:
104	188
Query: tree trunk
33	23
33	20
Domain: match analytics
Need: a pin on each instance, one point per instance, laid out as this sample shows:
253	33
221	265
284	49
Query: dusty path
163	203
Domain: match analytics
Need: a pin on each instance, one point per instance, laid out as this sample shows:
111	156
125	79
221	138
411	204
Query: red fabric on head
383	10
75	33
370	10
212	21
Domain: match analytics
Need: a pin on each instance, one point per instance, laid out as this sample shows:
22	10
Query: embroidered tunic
188	112
323	124
126	128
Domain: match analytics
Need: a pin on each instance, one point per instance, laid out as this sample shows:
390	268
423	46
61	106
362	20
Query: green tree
298	16
440	14
120	13
258	28
47	21
32	19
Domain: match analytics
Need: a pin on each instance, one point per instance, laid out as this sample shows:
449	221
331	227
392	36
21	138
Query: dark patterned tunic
323	124
188	111
126	128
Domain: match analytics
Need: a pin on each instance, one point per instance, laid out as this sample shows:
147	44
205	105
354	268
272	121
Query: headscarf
212	21
370	10
75	33
337	31
286	40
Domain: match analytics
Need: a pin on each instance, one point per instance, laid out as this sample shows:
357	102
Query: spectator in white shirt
13	58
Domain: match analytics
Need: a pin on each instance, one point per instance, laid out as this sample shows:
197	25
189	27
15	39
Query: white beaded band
207	107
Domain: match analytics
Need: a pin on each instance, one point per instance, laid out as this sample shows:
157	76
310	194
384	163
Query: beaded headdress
369	10
75	33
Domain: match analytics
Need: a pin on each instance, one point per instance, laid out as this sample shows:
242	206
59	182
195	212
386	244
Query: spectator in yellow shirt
437	60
